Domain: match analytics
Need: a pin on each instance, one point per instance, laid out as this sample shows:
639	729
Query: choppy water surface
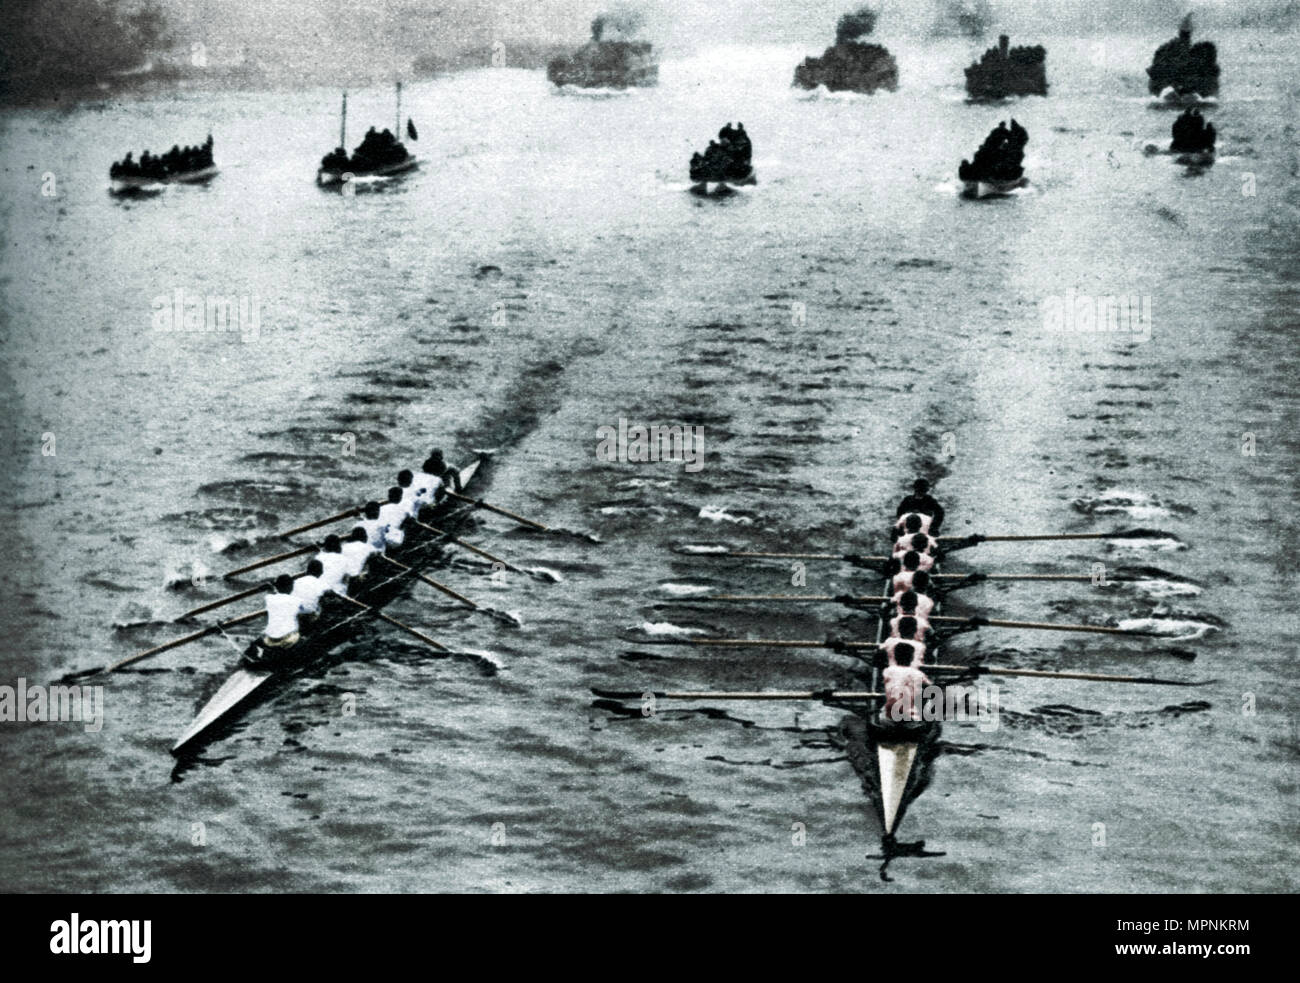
845	325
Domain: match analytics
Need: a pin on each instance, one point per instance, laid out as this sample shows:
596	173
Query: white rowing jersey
336	571
426	487
902	581
354	557
924	605
411	501
922	626
374	532
392	516
281	615
308	590
901	524
902	692
890	644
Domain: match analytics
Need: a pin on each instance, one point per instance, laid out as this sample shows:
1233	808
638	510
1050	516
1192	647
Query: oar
1121	534
810	598
479	503
469	546
792	643
397	624
430	581
826	694
280	558
851	557
1087	676
1049	626
355	510
266	585
147	653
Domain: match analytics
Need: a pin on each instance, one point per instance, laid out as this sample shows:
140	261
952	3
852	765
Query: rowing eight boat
335	621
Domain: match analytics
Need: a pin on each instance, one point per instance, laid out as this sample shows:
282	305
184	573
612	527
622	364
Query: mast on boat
343	123
397	129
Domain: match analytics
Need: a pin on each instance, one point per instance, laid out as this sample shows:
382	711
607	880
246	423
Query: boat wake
720	514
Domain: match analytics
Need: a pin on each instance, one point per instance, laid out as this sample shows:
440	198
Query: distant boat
606	63
1189	69
193	165
726	164
1005	71
379	155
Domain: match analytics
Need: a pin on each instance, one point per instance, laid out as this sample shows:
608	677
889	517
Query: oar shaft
280	558
789	643
1026	539
210	630
1074	577
1047	626
741	695
460	542
322	522
784	597
498	510
397	624
1094	677
805	556
432	583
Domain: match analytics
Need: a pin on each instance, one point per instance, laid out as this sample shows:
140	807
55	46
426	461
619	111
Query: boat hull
993	189
727	186
132	185
336	622
336	179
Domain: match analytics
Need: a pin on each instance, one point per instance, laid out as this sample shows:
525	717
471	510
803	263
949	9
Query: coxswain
373	525
335	572
903	683
309	588
921	501
281	614
356	551
392	516
449	475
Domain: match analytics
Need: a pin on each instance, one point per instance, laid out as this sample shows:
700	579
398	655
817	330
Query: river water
840	328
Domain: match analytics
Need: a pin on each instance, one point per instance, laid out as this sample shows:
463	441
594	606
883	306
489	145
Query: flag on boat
410	130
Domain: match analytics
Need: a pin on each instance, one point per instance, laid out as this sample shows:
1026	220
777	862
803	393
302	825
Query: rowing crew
340	563
914	595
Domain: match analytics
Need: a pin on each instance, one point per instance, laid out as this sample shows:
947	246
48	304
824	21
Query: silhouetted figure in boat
1183	66
729	158
1000	158
1192	134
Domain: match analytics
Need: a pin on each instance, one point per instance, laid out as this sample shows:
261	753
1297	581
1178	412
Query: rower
373	526
428	483
900	650
392	516
910	602
335	567
281	614
309	588
356	551
902	688
410	494
913	629
910	564
436	466
911	523
921	501
923	543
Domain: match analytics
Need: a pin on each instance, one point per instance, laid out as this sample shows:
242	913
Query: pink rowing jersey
890	644
922	626
924	605
903	692
901	524
903	544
